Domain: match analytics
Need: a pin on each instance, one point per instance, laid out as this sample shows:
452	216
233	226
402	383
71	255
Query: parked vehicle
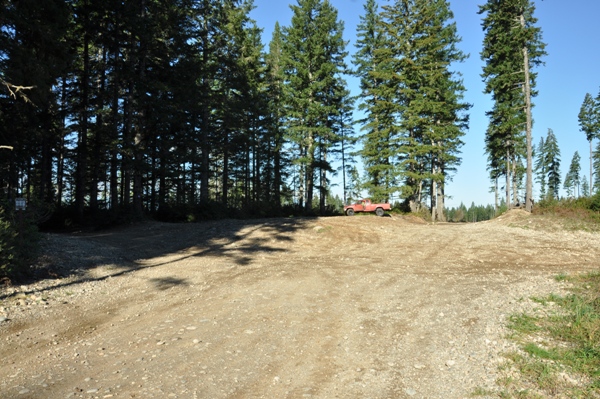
365	205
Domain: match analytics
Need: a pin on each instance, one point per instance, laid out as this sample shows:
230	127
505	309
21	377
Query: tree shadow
129	248
165	283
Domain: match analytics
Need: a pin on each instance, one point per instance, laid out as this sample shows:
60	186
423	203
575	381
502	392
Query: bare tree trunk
60	164
496	194
441	203
204	148
301	182
433	200
323	185
139	139
527	89
225	178
508	203
310	171
591	170
434	188
515	192
82	145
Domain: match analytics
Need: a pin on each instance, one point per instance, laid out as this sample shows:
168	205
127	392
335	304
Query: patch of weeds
541	301
560	277
523	324
479	391
560	352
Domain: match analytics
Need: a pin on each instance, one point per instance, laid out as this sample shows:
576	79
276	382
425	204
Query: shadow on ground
133	247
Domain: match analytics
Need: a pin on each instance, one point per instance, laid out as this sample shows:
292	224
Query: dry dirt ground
344	307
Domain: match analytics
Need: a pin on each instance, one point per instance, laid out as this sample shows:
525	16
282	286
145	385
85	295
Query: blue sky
572	69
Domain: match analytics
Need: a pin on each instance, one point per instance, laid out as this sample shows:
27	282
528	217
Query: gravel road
345	307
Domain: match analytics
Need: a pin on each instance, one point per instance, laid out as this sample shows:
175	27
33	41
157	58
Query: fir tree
512	46
378	125
585	187
425	117
275	81
574	175
589	123
596	165
314	52
541	167
552	161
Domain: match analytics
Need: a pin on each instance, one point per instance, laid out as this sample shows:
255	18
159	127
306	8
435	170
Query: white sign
20	204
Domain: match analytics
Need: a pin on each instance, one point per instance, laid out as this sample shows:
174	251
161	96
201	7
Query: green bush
19	244
594	202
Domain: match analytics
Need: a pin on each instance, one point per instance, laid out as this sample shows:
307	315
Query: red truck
365	205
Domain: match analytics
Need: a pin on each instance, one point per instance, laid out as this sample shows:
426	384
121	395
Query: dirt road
360	307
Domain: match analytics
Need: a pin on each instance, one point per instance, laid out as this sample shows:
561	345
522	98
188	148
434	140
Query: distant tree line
475	213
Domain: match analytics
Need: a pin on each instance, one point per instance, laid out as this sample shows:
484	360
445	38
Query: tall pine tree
417	102
512	47
552	161
313	60
589	123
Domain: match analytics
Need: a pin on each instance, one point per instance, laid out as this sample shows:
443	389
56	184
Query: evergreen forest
177	110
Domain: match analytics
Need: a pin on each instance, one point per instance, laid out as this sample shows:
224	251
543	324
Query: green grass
560	352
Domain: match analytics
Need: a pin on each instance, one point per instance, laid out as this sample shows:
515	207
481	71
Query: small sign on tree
20	204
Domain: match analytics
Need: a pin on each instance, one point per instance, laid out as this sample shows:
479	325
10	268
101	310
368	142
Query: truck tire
349	212
379	212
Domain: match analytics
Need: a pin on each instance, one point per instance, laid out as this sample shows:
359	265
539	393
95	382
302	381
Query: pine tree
512	46
552	162
34	52
378	125
314	52
585	187
596	165
348	140
589	123
540	167
275	80
415	100
574	174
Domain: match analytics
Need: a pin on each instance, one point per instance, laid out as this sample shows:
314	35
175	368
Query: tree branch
15	90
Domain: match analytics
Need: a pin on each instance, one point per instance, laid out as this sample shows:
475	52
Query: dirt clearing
346	307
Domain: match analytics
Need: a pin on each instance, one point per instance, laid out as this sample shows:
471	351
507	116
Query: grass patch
559	352
581	214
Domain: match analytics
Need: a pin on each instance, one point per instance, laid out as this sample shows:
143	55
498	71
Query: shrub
19	244
594	202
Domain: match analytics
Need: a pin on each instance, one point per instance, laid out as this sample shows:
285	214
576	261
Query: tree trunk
114	159
441	203
323	185
515	192
60	164
591	170
139	138
82	145
508	203
496	194
310	171
225	178
434	187
527	89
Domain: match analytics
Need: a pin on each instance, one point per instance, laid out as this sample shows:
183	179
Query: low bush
19	244
583	212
